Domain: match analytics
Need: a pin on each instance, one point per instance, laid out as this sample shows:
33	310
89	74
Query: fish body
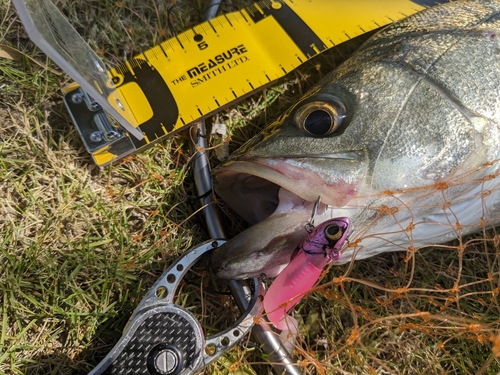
403	139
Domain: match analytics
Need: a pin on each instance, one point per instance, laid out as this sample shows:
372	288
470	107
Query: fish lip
280	171
226	261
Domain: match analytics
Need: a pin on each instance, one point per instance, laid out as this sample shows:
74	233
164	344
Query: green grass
80	246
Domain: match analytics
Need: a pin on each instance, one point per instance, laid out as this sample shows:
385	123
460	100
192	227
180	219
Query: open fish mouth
276	195
251	185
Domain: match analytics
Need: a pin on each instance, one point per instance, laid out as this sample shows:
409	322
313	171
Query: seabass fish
403	139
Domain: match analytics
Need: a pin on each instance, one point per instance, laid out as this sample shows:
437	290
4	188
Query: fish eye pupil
320	117
333	232
318	122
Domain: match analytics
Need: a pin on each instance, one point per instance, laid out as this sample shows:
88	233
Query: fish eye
321	117
332	232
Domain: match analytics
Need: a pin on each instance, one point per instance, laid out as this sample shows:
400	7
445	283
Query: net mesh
426	308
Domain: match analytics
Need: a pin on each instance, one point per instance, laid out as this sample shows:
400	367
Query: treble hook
310	225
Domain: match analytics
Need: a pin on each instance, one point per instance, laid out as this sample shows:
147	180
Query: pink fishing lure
321	246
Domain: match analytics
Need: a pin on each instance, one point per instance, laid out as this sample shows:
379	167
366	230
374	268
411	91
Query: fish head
274	180
379	123
297	153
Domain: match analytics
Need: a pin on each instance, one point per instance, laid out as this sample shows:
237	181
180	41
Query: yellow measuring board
194	74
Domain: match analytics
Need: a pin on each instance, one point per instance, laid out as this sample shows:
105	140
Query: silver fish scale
456	46
459	51
441	66
151	332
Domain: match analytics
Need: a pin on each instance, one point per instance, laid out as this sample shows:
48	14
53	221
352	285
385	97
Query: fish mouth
276	196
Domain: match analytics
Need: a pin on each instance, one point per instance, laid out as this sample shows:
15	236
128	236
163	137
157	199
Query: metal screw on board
77	98
96	137
165	360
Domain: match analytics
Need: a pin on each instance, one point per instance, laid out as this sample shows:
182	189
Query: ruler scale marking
228	20
243	15
212	26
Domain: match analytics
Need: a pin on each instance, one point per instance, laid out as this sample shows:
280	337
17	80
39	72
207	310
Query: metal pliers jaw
162	338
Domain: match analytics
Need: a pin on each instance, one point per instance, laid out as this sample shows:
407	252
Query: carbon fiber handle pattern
148	351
